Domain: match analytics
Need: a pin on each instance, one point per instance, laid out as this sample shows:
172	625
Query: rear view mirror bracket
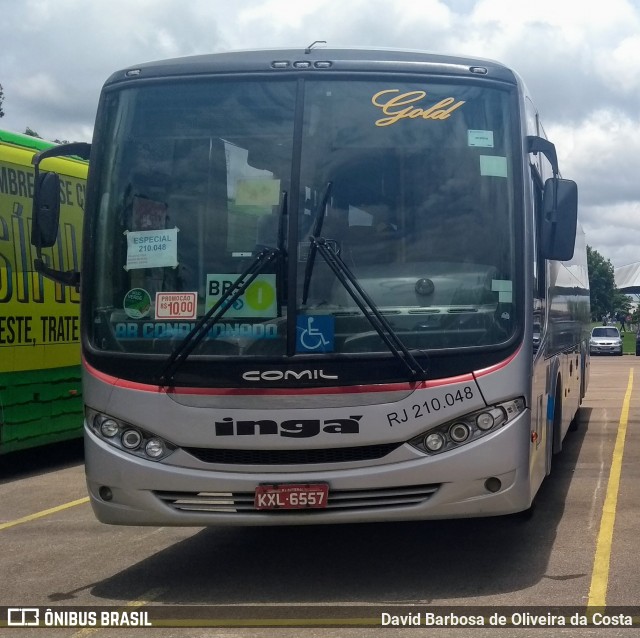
46	210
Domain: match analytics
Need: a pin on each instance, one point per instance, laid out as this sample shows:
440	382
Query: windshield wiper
227	299
317	229
368	307
281	274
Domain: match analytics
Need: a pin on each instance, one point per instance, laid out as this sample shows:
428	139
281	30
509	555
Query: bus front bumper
469	482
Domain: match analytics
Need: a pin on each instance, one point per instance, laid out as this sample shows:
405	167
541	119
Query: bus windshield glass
407	184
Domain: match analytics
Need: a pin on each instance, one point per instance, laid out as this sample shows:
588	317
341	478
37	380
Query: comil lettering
398	107
286	375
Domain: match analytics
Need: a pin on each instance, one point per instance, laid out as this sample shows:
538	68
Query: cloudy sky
581	61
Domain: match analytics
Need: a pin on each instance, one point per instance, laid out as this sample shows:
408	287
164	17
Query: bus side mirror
560	218
46	210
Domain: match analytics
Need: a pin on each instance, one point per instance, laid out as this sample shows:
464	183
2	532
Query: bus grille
242	502
292	457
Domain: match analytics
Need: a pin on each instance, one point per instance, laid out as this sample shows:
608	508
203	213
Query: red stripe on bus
498	366
355	389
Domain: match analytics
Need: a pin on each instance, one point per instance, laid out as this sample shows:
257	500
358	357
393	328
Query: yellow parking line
600	573
51	510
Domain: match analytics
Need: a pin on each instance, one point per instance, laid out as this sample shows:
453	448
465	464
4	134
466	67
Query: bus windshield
412	182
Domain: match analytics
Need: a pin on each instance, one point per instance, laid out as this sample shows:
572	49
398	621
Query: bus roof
25	141
19	149
283	61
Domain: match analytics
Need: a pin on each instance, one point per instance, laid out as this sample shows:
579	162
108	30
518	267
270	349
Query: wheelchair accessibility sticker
315	333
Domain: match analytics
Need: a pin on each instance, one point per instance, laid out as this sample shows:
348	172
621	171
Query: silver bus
323	286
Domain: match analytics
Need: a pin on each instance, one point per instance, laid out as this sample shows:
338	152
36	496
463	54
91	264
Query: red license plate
291	496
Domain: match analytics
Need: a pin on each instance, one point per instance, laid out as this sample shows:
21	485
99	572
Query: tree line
606	298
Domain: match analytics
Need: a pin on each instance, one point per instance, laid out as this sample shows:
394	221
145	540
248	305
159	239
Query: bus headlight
434	441
459	432
128	438
131	439
154	448
485	421
470	427
109	428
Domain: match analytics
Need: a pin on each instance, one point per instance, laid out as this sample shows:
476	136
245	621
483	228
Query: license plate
291	496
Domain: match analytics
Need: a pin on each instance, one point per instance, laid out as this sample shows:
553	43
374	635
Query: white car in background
605	340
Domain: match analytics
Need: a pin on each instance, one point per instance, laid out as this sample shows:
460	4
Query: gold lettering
393	107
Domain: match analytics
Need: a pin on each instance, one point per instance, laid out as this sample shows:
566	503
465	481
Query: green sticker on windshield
504	288
480	138
259	299
493	166
258	192
137	303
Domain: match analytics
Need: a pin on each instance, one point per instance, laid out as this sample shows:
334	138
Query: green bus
40	379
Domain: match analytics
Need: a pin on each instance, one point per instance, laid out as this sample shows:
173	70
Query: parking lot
580	548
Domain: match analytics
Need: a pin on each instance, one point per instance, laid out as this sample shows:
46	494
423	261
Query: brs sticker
258	300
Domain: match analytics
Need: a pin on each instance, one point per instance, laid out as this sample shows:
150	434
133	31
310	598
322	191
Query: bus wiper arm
231	295
281	271
368	308
212	316
317	229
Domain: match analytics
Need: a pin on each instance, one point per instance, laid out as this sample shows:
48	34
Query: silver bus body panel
142	489
189	425
460	492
